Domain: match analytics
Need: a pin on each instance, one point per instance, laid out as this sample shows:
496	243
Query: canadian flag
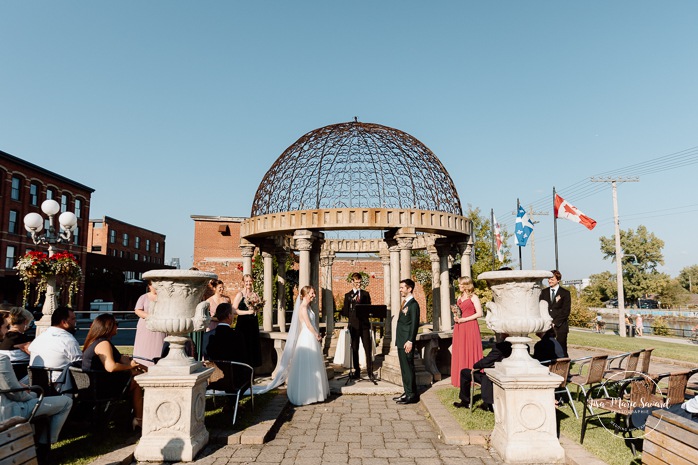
564	209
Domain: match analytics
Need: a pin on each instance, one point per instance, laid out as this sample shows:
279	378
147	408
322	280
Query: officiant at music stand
359	326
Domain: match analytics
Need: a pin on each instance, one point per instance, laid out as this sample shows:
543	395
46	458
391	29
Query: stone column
394	287
436	287
465	249
443	250
247	252
405	243
304	243
326	261
387	323
268	316
281	258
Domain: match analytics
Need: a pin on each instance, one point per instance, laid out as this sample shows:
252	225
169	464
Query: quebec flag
524	227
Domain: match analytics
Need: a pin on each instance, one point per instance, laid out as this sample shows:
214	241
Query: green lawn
670	350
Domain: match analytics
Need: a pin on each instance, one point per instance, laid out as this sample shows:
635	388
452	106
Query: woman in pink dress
148	344
467	343
217	298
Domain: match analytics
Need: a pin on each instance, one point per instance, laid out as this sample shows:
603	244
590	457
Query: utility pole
531	214
619	250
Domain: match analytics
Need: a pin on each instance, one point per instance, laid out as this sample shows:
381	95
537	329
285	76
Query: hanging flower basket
37	268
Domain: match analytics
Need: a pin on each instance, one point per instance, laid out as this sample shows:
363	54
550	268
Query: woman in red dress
467	343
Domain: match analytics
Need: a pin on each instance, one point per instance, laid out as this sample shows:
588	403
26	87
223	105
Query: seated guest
500	351
15	344
547	348
226	343
100	354
22	403
56	347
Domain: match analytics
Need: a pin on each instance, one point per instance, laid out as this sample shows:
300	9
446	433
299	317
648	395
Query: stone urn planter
524	402
518	312
178	312
175	388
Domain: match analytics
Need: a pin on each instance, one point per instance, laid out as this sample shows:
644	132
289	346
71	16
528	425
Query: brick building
23	187
217	250
118	255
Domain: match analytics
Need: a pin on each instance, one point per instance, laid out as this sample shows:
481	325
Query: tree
673	294
642	252
580	315
688	277
482	239
601	288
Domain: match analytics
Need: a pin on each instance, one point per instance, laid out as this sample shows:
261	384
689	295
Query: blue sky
172	108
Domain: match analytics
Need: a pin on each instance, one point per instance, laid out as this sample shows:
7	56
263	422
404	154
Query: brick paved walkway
354	430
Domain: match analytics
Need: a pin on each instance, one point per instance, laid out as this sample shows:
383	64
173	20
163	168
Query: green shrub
659	326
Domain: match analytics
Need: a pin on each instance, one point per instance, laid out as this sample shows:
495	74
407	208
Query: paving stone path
354	430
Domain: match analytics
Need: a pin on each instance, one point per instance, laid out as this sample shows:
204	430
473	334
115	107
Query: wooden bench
17	442
670	440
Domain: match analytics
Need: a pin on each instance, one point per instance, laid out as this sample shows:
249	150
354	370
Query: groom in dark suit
559	307
405	339
359	328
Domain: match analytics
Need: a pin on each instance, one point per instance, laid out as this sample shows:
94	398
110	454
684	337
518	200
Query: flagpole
494	250
557	267
518	204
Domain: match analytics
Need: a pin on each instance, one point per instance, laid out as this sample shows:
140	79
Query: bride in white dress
302	365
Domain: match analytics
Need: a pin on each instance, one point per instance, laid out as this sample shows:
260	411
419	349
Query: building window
138	243
157	247
124	240
12	227
16	187
121	254
135	256
96	248
112	236
50	194
147	245
10	257
64	203
34	194
113	252
78	208
76	235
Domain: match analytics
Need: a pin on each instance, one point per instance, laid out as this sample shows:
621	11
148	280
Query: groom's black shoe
355	375
402	397
409	400
461	404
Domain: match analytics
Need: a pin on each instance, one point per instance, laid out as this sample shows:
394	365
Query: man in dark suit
559	306
405	340
226	343
359	328
500	351
547	349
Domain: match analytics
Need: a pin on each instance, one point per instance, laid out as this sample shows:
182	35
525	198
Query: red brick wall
10	288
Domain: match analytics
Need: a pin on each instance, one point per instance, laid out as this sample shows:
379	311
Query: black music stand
370	311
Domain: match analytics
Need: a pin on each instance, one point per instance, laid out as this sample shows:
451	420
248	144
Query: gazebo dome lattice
356	165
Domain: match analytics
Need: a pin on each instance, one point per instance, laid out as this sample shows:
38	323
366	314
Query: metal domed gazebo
357	176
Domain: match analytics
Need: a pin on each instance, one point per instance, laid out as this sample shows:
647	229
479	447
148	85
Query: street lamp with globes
34	224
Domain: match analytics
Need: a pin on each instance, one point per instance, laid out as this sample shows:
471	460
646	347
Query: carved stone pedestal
524	415
390	371
173	416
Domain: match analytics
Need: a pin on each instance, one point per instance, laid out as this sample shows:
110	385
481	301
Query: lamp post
34	223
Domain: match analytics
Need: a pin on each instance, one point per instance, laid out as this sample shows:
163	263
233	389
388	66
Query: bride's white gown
307	378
